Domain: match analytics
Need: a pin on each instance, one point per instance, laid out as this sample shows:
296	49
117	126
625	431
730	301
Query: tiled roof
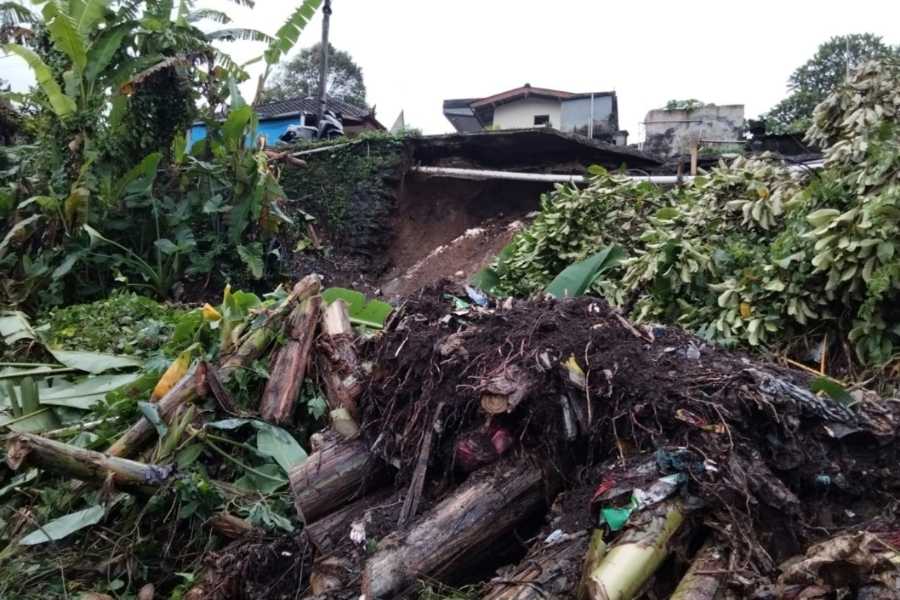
293	106
521	92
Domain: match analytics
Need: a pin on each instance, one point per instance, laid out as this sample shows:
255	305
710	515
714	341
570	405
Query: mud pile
501	444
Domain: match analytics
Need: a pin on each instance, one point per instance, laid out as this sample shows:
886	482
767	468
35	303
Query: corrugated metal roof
294	106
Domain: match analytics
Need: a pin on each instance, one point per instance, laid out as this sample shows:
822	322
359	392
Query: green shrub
750	252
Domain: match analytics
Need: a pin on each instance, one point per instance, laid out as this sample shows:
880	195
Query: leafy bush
750	252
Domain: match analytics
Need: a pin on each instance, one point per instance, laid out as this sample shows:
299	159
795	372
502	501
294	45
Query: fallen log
549	571
289	365
338	359
704	577
95	467
634	556
87	465
482	510
332	476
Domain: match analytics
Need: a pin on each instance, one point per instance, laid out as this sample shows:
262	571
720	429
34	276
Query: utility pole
323	61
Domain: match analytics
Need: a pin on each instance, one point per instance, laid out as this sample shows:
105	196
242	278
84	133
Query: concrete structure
527	112
673	132
592	115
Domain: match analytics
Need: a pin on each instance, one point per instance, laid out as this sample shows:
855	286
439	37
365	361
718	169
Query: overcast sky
415	53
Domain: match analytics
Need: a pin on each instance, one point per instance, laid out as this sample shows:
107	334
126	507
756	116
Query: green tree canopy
816	78
300	77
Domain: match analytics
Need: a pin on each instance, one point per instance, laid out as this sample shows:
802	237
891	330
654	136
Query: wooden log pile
444	463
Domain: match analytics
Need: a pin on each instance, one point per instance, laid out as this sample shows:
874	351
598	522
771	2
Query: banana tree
70	26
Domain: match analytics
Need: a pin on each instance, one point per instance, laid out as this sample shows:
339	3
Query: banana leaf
578	277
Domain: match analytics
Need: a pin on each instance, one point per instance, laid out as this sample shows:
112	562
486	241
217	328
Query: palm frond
289	33
166	63
208	14
13	13
230	67
240	34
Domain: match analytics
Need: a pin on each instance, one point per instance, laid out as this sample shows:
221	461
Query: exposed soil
450	228
457	260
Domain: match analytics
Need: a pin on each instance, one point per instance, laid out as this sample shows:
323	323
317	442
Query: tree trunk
65	459
333	476
289	367
480	511
338	359
549	572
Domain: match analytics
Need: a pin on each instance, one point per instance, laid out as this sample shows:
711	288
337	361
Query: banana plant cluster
751	251
83	206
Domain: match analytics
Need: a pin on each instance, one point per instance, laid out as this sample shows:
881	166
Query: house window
542	120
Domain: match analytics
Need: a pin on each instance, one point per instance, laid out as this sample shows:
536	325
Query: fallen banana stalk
332	476
634	556
291	359
338	360
704	577
87	465
484	509
548	571
91	466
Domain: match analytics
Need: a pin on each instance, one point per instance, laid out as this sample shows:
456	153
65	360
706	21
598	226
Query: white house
594	114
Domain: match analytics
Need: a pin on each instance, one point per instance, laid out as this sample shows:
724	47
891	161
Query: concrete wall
673	132
520	114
